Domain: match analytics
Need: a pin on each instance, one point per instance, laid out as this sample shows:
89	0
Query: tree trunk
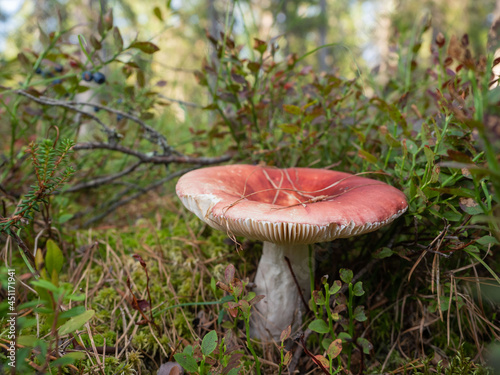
323	29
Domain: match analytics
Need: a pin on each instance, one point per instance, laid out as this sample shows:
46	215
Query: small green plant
52	171
50	162
459	364
242	304
55	318
284	358
204	359
332	342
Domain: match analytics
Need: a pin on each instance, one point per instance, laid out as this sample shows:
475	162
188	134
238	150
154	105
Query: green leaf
54	258
345	337
359	314
63	361
157	13
30	304
358	289
452	216
253	66
382	253
259	45
293	109
365	344
64	218
146	47
487	240
209	343
410	146
346	275
318	297
336	286
319	325
325	343
76	322
44	284
186	361
289	128
27	340
68	359
367	156
72	312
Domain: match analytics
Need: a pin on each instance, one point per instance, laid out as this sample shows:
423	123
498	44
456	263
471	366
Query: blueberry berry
96	109
99	78
57	81
38	70
87	76
119	117
58	68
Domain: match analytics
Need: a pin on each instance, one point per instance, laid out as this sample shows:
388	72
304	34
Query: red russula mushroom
287	209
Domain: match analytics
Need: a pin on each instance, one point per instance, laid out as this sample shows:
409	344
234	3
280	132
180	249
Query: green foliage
240	306
459	364
331	302
196	359
49	161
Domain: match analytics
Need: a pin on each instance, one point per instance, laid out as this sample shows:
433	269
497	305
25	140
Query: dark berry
96	109
87	76
57	81
99	78
38	70
119	117
58	68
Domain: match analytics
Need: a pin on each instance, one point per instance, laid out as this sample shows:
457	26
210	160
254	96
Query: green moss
107	297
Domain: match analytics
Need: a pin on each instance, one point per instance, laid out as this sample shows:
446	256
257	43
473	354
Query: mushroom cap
264	203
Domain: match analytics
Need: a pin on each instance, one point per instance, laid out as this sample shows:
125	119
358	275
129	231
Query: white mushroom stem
282	305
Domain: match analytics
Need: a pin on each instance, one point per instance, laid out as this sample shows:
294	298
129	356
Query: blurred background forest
105	103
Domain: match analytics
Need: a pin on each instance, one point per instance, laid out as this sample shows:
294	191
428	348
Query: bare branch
187	104
58	103
153	159
102	180
154	136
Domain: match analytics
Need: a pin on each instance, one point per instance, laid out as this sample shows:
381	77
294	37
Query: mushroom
287	209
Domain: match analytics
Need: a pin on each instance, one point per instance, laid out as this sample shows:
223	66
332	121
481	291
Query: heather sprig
52	171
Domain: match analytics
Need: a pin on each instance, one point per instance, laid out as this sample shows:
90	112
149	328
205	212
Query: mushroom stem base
282	305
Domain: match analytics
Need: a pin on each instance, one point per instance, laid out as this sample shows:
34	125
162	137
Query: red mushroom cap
295	205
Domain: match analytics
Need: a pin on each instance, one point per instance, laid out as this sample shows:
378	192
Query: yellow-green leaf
54	258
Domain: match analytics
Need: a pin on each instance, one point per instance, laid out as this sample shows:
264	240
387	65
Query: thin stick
297	284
